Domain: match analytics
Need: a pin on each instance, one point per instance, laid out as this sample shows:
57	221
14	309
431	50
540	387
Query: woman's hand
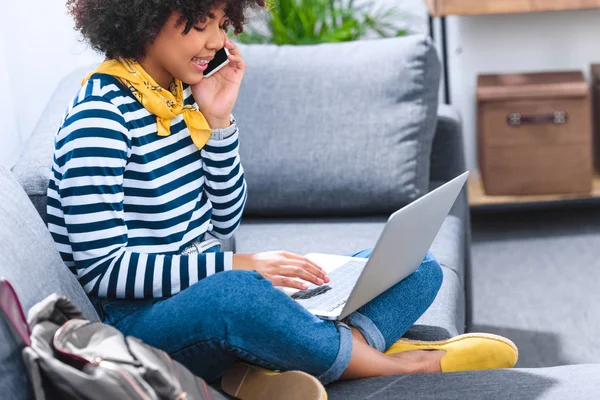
216	96
280	267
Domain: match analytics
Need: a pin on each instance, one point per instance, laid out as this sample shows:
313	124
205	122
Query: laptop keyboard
342	279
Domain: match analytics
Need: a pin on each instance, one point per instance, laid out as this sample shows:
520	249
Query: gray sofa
329	151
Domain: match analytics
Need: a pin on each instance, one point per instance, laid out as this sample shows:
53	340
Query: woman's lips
201	62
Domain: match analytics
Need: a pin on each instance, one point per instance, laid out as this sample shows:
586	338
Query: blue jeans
240	315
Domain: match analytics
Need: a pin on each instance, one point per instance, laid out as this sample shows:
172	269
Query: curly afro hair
124	28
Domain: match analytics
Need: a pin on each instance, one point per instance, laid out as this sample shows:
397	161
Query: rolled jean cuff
343	358
367	328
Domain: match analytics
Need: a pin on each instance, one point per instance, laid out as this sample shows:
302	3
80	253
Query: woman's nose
216	40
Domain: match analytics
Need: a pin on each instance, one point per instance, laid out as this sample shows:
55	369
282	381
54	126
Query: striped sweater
123	202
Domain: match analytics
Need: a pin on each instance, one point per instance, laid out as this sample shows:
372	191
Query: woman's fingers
293	256
285	281
310	268
296	271
238	61
232	47
298	257
235	56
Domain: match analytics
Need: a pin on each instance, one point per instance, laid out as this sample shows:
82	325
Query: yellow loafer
248	382
470	352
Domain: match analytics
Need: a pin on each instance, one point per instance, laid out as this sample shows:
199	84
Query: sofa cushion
325	133
348	235
28	259
570	382
337	140
445	317
327	235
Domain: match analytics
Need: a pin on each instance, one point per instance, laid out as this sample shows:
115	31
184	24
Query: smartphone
217	63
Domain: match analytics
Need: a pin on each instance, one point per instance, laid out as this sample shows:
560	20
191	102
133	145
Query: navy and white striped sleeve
225	184
91	153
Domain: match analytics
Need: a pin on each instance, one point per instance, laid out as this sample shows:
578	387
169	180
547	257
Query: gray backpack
68	357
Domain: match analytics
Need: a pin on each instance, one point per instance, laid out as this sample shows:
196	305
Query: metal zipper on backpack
98	359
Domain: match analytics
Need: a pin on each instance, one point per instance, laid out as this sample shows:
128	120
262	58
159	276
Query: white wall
10	139
36	54
413	13
39	48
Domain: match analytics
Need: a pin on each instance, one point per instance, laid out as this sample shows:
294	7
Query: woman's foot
410	362
248	382
419	361
473	351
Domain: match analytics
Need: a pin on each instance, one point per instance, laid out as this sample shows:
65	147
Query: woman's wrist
218	123
241	262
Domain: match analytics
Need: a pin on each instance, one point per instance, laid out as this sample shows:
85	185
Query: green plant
302	22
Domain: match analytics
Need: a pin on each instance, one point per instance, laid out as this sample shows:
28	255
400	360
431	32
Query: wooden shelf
477	196
441	8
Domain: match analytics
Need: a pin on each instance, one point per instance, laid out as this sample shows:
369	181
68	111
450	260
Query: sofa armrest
447	153
447	162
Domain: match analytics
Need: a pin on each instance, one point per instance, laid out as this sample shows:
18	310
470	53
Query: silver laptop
402	246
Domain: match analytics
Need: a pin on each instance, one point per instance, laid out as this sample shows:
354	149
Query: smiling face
185	56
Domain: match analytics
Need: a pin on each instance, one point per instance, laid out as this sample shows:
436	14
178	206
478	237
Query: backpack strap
13	312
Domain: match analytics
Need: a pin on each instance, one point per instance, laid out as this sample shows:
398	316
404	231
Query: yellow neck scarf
164	104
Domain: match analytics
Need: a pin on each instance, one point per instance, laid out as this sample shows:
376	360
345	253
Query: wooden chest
596	112
535	133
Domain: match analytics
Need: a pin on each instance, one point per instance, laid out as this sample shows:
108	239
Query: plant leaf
318	21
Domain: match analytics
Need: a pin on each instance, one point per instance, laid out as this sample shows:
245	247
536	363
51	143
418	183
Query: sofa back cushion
343	128
28	259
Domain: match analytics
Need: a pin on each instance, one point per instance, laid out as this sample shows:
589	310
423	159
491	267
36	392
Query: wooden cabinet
440	8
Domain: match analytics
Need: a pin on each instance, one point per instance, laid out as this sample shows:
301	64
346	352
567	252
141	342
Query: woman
147	174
